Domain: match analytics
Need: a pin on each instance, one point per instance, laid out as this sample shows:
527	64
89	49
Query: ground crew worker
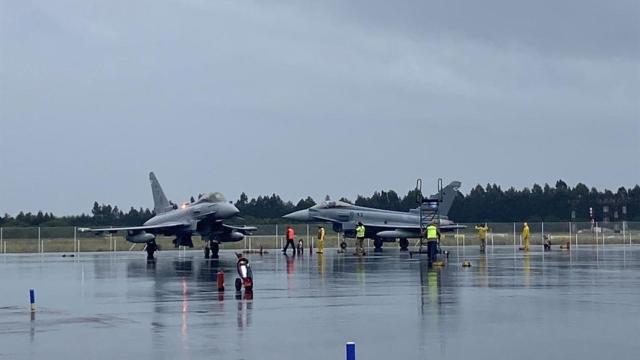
290	236
433	236
525	237
320	239
482	235
360	231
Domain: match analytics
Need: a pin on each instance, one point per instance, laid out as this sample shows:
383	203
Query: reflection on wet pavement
584	304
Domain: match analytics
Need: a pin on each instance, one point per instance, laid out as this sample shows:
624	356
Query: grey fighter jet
381	225
203	217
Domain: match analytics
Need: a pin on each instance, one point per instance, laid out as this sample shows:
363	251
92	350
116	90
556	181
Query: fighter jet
382	225
203	216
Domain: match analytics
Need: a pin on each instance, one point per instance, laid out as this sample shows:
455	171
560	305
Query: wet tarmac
557	305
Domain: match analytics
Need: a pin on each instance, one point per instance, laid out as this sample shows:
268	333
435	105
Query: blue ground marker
351	351
32	299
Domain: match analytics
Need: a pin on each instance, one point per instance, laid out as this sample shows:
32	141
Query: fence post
1	241
276	239
75	239
40	242
542	236
514	237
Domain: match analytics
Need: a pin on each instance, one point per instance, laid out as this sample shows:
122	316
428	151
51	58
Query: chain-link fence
557	233
272	236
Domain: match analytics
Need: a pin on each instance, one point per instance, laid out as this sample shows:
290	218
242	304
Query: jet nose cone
228	210
300	215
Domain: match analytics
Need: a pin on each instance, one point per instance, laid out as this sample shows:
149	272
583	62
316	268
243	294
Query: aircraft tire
151	249
377	243
215	249
404	244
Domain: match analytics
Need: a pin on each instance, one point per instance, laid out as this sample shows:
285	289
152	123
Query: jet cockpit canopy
214	197
331	204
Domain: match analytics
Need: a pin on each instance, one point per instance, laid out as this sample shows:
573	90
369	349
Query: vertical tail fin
448	195
160	202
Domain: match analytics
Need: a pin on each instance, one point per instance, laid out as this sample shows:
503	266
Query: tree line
489	203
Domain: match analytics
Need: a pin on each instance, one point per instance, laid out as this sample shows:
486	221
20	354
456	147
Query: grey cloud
231	96
571	27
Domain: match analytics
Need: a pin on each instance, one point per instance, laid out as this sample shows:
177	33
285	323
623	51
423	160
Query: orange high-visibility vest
290	234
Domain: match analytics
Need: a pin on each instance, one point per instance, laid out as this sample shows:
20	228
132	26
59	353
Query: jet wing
114	230
442	227
452	227
242	229
409	231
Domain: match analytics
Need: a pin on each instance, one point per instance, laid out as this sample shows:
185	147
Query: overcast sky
311	98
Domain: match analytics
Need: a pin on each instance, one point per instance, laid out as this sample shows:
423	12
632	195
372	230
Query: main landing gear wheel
377	243
404	244
215	249
151	249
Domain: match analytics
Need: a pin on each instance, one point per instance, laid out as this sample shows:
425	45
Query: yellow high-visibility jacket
432	232
482	232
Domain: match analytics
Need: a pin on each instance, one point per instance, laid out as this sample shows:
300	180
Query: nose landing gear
211	250
377	243
151	249
404	244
